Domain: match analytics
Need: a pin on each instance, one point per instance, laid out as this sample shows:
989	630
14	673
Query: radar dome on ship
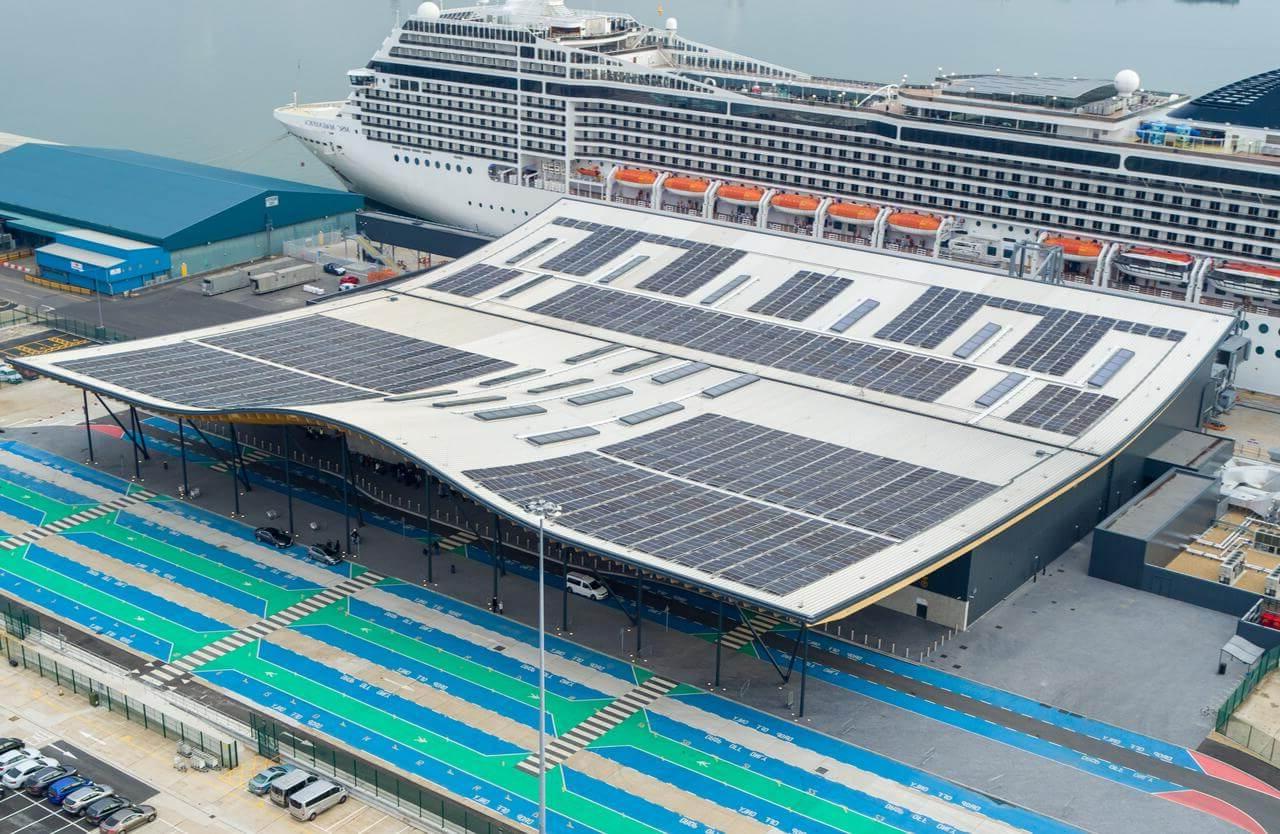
429	11
1127	82
672	24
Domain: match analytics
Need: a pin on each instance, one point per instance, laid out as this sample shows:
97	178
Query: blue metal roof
167	202
1250	102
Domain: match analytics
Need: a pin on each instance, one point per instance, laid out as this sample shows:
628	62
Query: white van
585	585
289	784
315	799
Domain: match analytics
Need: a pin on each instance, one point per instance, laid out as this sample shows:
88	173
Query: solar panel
509	412
852	317
1057	408
420	395
976	341
624	269
357	354
601	395
593	354
492	398
531	251
561	436
556	386
934	316
193	374
996	392
640	363
887	496
650	413
721	536
801	295
769	344
723	290
475	279
527	285
528	372
729	386
1109	368
681	372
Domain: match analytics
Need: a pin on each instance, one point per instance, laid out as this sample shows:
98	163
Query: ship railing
1156	292
1228	304
847	238
631	201
676	208
789	228
577	190
741	219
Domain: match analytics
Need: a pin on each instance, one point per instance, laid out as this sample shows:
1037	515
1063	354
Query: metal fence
1264	745
411	799
76	327
221	754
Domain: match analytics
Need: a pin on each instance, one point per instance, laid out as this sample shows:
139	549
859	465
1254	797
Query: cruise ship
480	117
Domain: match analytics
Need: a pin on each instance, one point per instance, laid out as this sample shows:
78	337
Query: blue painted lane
499	662
227	558
159	606
631	805
1138	743
364	692
69	467
20	511
172	572
68	609
54	492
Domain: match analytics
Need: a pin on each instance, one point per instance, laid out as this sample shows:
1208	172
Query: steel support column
142	437
346	495
564	592
431	542
235	463
132	440
804	666
182	453
639	609
497	558
719	638
288	476
88	428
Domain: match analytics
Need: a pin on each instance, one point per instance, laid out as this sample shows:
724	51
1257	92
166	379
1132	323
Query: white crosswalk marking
743	634
36	533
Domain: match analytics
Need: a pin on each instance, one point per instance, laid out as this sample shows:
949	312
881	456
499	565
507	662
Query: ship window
1262	328
1258	350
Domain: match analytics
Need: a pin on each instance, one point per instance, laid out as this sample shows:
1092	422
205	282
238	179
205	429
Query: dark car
105	807
273	536
37	783
7	744
325	554
334	269
61	788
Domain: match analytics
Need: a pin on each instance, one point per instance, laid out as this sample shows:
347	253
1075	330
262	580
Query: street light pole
543	510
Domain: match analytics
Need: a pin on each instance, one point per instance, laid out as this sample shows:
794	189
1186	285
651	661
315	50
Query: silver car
20	770
82	798
128	818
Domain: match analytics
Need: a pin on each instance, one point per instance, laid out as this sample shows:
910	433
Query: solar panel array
199	376
1057	342
725	536
801	295
934	316
699	264
855	315
848	486
1063	410
773	345
474	280
359	355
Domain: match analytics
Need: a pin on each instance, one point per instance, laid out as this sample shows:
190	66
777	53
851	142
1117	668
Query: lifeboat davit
686	185
636	176
740	195
1160	256
1075	249
862	215
590	171
796	204
914	224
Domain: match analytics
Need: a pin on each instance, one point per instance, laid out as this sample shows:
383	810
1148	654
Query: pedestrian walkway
35	534
167	673
602	721
748	631
248	455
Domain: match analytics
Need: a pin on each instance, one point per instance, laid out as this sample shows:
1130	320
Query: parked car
75	803
8	745
260	784
15	756
100	809
38	782
273	536
60	789
348	282
324	554
315	799
335	269
21	769
127	818
585	585
286	786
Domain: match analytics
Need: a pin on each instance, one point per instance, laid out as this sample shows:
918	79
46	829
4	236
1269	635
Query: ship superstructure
482	116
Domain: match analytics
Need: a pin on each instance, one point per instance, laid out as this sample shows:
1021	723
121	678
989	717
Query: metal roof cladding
1249	102
163	201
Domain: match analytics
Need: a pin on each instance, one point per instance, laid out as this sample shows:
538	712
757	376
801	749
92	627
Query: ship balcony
794	228
683	208
845	237
744	218
639	200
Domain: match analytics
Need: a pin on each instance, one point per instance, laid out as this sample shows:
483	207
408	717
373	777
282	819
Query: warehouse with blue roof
114	221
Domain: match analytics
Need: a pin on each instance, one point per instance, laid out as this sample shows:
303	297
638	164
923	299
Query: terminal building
799	429
114	221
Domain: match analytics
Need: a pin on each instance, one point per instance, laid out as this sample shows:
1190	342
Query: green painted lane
274	597
566	712
299	697
50	509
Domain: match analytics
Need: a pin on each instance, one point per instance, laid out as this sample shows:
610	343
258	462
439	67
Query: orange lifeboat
741	195
636	176
862	215
914	224
796	203
1075	249
1250	270
590	171
686	185
1160	256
